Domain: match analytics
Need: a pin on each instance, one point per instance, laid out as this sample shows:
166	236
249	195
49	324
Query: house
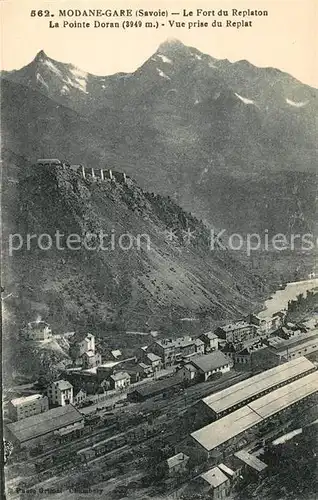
79	397
187	372
149	358
60	393
230	350
173	350
176	465
38	330
214	482
215	362
83	351
145	370
199	347
81	344
237	332
165	349
153	360
267	324
243	359
137	371
27	406
91	359
184	347
263	323
50	425
142	353
105	370
119	380
210	340
116	354
86	380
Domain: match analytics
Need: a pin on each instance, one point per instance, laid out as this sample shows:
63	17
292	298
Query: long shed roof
251	387
156	387
224	429
285	396
44	423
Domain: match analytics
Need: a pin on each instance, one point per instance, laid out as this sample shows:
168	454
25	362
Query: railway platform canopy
222	431
243	392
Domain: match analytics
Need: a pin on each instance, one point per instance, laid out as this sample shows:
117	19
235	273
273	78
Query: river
279	300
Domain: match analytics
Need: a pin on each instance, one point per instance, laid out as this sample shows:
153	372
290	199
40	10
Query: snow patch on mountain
211	65
162	74
41	80
164	59
52	67
80	81
199	58
296	104
244	99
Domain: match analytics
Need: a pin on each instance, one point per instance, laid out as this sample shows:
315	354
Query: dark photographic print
159	243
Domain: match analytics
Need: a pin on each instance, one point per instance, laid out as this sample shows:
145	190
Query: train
132	437
56	460
110	423
101	448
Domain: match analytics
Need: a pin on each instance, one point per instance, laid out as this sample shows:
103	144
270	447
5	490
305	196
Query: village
224	394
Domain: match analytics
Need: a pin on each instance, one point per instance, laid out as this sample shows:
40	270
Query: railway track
136	437
179	404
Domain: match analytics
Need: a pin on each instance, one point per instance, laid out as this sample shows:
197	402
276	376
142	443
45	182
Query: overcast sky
286	39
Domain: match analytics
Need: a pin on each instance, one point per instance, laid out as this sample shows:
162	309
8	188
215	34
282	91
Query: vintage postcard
159	244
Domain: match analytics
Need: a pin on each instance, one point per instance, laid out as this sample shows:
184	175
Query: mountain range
230	142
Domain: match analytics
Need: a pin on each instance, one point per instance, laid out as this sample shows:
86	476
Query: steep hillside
220	138
161	278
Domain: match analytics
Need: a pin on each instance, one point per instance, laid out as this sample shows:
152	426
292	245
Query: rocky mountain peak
41	56
172	46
